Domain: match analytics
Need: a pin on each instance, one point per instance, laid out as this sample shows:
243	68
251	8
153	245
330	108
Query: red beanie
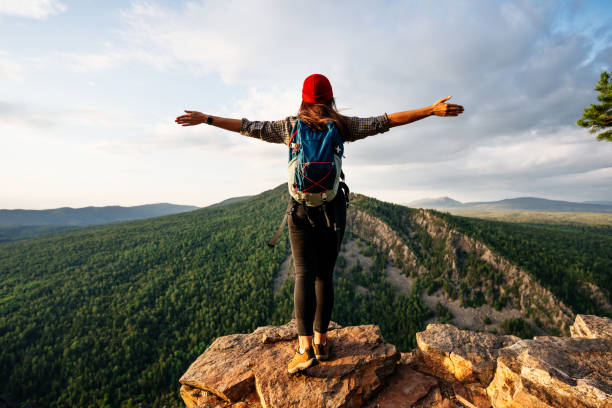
317	89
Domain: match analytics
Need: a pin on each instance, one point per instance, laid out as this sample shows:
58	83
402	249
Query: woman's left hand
192	118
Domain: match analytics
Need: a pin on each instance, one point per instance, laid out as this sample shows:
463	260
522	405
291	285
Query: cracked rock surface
592	327
463	355
554	372
449	368
235	366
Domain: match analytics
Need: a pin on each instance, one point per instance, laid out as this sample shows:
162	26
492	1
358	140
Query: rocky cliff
530	299
449	368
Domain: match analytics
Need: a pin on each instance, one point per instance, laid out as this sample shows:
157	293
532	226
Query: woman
315	241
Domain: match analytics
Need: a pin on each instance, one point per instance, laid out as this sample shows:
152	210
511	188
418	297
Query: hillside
538	217
231	200
10	233
112	315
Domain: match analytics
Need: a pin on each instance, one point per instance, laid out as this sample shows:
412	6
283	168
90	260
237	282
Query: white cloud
512	68
10	70
266	104
521	76
508	64
147	139
91	62
564	164
37	9
38	116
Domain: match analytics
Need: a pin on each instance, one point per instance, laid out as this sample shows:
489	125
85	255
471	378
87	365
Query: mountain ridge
518	203
90	215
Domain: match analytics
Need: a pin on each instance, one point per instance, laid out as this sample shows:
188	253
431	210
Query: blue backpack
315	163
314	169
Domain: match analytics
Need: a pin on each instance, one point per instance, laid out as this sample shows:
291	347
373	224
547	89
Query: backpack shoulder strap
345	190
281	227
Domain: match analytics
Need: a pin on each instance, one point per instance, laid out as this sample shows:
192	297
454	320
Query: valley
112	315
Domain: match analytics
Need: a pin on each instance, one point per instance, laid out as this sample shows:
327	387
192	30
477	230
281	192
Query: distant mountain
539	204
598	202
89	215
438	203
514	204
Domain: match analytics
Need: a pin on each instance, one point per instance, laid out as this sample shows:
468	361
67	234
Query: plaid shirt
279	131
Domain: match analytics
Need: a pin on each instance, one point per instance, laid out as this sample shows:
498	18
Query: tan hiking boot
322	351
302	361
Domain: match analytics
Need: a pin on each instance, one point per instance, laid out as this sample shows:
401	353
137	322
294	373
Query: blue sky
89	91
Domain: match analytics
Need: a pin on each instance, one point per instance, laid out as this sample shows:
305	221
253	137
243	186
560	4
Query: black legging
315	249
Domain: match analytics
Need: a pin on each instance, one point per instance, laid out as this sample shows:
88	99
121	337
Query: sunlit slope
472	259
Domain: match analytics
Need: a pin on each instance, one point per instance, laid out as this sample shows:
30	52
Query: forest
561	257
112	315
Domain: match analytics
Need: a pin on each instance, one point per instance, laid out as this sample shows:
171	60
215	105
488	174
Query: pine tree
599	117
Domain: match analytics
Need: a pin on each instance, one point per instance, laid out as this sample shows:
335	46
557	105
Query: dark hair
316	116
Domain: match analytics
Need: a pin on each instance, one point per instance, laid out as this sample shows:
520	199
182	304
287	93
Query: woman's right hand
446	109
191	118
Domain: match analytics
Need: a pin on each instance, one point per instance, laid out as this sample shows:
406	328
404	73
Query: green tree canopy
599	117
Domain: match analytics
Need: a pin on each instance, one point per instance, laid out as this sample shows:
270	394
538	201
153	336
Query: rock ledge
449	368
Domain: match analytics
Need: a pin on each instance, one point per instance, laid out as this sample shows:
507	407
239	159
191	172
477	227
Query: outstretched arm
277	131
439	109
193	118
